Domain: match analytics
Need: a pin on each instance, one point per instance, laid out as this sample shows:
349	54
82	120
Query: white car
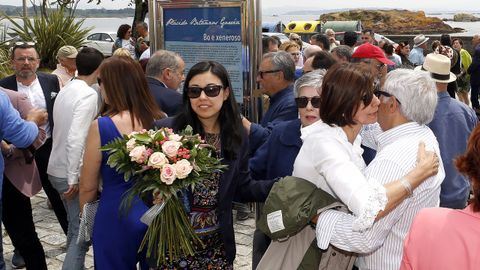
101	41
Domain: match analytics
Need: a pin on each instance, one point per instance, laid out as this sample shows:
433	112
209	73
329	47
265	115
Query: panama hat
419	40
438	66
67	52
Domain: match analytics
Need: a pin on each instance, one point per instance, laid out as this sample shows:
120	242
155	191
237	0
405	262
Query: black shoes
17	260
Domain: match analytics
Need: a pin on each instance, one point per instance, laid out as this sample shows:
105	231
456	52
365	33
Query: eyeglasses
99	81
209	90
22	59
302	102
261	73
379	93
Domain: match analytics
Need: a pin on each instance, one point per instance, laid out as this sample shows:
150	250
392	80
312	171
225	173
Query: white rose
174	137
168	175
157	160
131	144
137	154
170	148
183	168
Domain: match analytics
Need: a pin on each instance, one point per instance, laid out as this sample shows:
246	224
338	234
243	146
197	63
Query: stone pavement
53	239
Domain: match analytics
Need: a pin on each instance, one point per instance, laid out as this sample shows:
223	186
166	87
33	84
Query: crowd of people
375	125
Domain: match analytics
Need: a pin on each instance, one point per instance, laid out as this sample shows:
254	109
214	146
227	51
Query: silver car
101	41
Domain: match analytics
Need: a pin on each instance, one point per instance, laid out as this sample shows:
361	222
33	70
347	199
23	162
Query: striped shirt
380	247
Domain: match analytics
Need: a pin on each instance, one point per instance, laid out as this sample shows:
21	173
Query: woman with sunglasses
330	156
209	107
128	106
276	156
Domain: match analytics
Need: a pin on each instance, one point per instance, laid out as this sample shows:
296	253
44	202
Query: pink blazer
443	239
23	176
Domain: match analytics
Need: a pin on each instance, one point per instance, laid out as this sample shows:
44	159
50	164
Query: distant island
393	21
14	11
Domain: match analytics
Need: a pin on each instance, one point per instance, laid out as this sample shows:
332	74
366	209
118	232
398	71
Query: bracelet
406	185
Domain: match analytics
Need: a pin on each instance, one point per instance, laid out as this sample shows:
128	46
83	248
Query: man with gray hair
407	103
276	75
342	53
165	73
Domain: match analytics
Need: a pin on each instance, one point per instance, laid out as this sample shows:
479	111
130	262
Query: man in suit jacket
165	73
22	181
474	71
41	89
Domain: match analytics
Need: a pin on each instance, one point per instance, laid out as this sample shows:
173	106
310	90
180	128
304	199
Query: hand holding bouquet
162	163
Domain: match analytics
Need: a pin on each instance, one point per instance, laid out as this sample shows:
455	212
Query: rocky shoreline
394	22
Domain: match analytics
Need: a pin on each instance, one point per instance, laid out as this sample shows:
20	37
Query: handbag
86	221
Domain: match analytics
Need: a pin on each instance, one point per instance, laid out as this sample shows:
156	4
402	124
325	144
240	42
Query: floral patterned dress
203	217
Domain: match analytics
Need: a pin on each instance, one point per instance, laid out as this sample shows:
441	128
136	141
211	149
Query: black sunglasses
379	93
302	102
261	73
209	90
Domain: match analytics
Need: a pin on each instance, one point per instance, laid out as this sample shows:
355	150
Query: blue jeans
75	258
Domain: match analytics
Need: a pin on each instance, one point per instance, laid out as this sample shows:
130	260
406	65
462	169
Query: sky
281	6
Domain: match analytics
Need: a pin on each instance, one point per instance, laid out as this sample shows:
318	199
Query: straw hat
67	52
438	66
419	40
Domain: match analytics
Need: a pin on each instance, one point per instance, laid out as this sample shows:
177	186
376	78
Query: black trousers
18	221
41	158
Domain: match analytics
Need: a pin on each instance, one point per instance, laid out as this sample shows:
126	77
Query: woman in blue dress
128	106
209	107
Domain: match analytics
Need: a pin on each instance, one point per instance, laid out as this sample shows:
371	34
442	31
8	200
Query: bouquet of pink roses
161	163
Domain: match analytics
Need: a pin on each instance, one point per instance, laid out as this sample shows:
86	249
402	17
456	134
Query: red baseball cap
370	51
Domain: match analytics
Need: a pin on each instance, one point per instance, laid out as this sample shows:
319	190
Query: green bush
5	66
51	32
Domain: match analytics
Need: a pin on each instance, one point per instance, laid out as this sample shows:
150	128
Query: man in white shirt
408	101
75	109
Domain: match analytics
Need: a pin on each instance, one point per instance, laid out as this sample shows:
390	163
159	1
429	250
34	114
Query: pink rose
131	144
137	154
157	160
183	168
167	175
170	148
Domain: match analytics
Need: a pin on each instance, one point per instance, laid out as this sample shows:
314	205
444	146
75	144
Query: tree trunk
141	10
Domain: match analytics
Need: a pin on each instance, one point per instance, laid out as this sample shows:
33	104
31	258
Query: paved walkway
53	239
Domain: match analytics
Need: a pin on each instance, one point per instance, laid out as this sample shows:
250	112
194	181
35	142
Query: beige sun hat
67	52
438	66
419	40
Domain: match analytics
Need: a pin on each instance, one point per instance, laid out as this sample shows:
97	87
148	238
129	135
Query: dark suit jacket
275	158
474	69
282	108
24	176
169	100
235	181
50	87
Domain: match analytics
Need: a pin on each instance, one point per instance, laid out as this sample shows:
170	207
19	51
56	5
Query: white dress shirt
333	164
34	92
382	244
74	111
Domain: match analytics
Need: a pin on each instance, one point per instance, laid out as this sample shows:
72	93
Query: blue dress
116	237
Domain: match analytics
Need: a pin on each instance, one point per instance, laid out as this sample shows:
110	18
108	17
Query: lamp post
24	8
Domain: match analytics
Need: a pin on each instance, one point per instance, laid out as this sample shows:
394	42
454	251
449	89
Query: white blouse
333	164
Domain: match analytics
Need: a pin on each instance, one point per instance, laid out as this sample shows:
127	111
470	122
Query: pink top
442	238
